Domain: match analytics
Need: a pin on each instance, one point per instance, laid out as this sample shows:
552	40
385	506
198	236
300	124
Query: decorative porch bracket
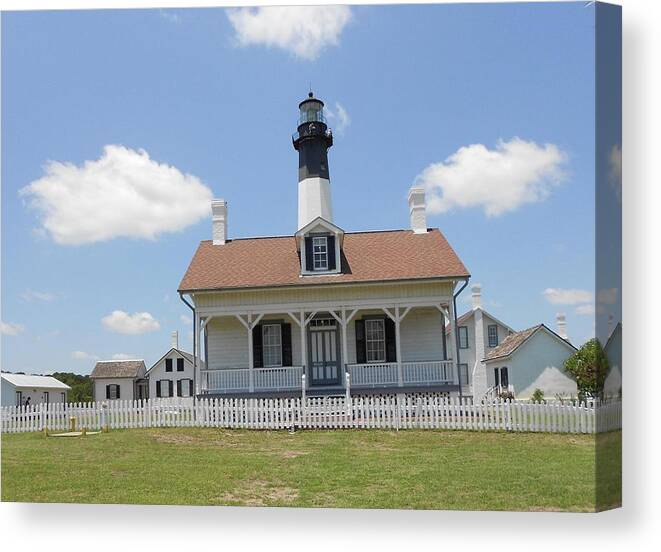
249	324
397	318
343	320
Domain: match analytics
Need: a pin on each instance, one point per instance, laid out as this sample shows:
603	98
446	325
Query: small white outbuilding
531	359
21	389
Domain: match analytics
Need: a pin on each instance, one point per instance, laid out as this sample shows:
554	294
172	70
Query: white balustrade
232	380
414	373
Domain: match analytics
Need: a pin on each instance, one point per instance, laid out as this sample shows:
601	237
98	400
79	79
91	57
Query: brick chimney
174	339
561	323
476	296
219	221
418	210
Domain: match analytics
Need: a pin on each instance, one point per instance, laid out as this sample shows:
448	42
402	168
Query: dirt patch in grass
259	493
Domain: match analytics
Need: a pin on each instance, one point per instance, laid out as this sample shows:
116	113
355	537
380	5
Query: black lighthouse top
312	139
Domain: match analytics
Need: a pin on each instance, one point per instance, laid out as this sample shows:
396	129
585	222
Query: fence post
104	417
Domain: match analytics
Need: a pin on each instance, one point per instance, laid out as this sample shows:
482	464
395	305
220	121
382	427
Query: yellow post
83	432
44	430
72	423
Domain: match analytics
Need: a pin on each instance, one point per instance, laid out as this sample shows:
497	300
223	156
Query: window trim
167	388
459	335
326	264
461	382
382	322
489	328
266	346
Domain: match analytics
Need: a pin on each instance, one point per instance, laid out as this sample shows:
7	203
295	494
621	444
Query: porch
335	350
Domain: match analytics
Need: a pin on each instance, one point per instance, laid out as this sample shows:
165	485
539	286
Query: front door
324	353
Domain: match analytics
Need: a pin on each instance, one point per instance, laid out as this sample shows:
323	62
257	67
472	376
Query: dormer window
320	252
319	244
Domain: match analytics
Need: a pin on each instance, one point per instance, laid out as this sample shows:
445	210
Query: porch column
398	349
345	347
196	355
251	360
304	344
453	341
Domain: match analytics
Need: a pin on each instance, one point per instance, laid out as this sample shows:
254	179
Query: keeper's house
368	308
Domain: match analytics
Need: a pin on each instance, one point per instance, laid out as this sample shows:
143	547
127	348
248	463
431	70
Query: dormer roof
316	225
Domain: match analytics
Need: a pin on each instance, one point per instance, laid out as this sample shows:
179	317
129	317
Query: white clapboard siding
425	411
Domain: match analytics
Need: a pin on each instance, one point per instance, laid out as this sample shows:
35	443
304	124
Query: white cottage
119	379
528	360
478	331
22	389
324	307
172	375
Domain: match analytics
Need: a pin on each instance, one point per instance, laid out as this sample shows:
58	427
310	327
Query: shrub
537	396
588	366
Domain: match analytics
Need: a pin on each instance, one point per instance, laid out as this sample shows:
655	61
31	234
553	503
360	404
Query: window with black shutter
504	377
257	357
391	341
158	389
361	353
332	264
496	376
179	388
168	365
309	261
286	345
170	388
180	365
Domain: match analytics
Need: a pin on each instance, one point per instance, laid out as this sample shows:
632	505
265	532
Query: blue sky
216	98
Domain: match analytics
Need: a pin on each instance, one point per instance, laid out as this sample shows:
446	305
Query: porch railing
234	380
414	373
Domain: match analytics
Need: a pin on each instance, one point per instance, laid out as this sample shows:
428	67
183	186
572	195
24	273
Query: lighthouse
312	140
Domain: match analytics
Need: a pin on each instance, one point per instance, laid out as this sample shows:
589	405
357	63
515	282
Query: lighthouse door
324	352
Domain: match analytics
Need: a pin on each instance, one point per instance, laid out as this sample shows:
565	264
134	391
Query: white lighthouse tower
312	140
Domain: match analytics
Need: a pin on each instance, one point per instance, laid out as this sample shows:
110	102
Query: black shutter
286	344
361	354
257	358
504	377
117	387
168	365
170	386
496	377
391	343
158	388
309	257
331	252
107	391
178	388
180	365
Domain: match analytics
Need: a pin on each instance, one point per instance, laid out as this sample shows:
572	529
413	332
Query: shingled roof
117	368
367	257
513	341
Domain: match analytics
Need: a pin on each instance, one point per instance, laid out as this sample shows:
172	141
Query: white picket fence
386	412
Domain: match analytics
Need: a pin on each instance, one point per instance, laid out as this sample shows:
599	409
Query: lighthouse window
320	253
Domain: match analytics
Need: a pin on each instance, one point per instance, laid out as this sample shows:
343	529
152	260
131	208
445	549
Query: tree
589	367
81	386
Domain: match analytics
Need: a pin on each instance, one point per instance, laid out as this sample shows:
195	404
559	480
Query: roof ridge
293	236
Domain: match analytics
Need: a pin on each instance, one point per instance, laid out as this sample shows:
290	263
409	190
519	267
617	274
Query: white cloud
497	180
615	170
557	296
31	295
124	193
170	16
340	115
125	323
186	319
585	310
8	328
607	296
304	31
82	355
123	356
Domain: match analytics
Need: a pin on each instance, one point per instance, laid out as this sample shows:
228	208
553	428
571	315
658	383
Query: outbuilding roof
26	380
117	368
366	257
513	341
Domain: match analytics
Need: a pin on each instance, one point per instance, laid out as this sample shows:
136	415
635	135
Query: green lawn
343	468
